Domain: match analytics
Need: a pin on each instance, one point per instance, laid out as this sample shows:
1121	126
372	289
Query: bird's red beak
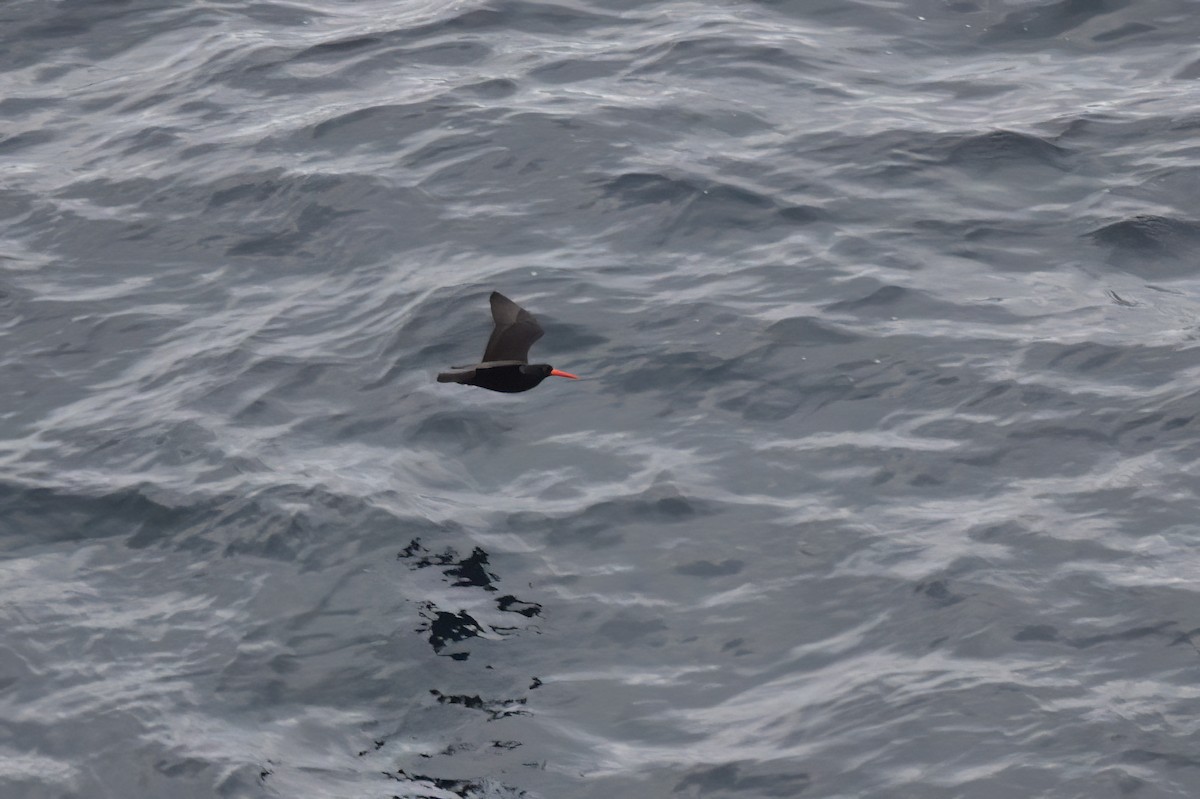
559	373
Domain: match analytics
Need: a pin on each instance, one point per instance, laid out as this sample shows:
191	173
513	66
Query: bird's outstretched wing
515	332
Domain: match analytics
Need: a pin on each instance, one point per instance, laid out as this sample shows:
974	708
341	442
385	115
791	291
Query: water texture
881	482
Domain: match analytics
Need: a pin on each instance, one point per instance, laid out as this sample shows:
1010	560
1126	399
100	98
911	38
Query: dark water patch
1151	245
1046	20
377	744
660	503
1117	299
494	708
576	70
1043	633
417	786
8	294
897	156
1007	395
260	70
13	108
636	190
706	568
293	239
492	89
506	745
700	120
728	56
526	17
1122	364
900	472
462	428
450	323
274	13
898	302
107	192
339	48
311	527
15	142
737	647
470	571
743	778
267	391
994	241
804	330
1124	32
454	158
676	209
42	515
382	125
1172	759
1049	634
69	341
969	90
891	152
798	376
803	214
1078	358
626	628
1188	638
446	628
939	592
1122	636
884	296
366	428
687	375
446	54
510	604
1190	72
1062	434
581	341
1172	424
1147	232
252	191
386	51
100	31
65	20
603	524
1100	129
256	215
776	403
856	18
784	398
1001	147
1140	427
151	138
644	188
13	205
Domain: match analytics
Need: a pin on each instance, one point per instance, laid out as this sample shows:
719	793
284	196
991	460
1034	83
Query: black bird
504	366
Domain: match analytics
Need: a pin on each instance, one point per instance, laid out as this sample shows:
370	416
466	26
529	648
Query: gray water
881	481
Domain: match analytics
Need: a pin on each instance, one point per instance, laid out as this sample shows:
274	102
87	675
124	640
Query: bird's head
544	370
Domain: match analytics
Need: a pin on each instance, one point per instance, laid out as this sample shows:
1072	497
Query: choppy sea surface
881	482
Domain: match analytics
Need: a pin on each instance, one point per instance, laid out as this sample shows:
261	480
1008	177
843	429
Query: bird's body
509	377
505	366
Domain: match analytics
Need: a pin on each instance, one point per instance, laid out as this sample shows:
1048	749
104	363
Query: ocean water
881	480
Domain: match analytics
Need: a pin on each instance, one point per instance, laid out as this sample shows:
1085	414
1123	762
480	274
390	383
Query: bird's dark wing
515	332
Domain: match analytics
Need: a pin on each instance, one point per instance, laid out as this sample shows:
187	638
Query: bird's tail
456	377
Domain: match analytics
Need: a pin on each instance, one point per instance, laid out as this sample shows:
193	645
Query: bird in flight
505	365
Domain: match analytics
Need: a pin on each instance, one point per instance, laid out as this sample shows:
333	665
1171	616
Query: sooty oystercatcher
505	364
